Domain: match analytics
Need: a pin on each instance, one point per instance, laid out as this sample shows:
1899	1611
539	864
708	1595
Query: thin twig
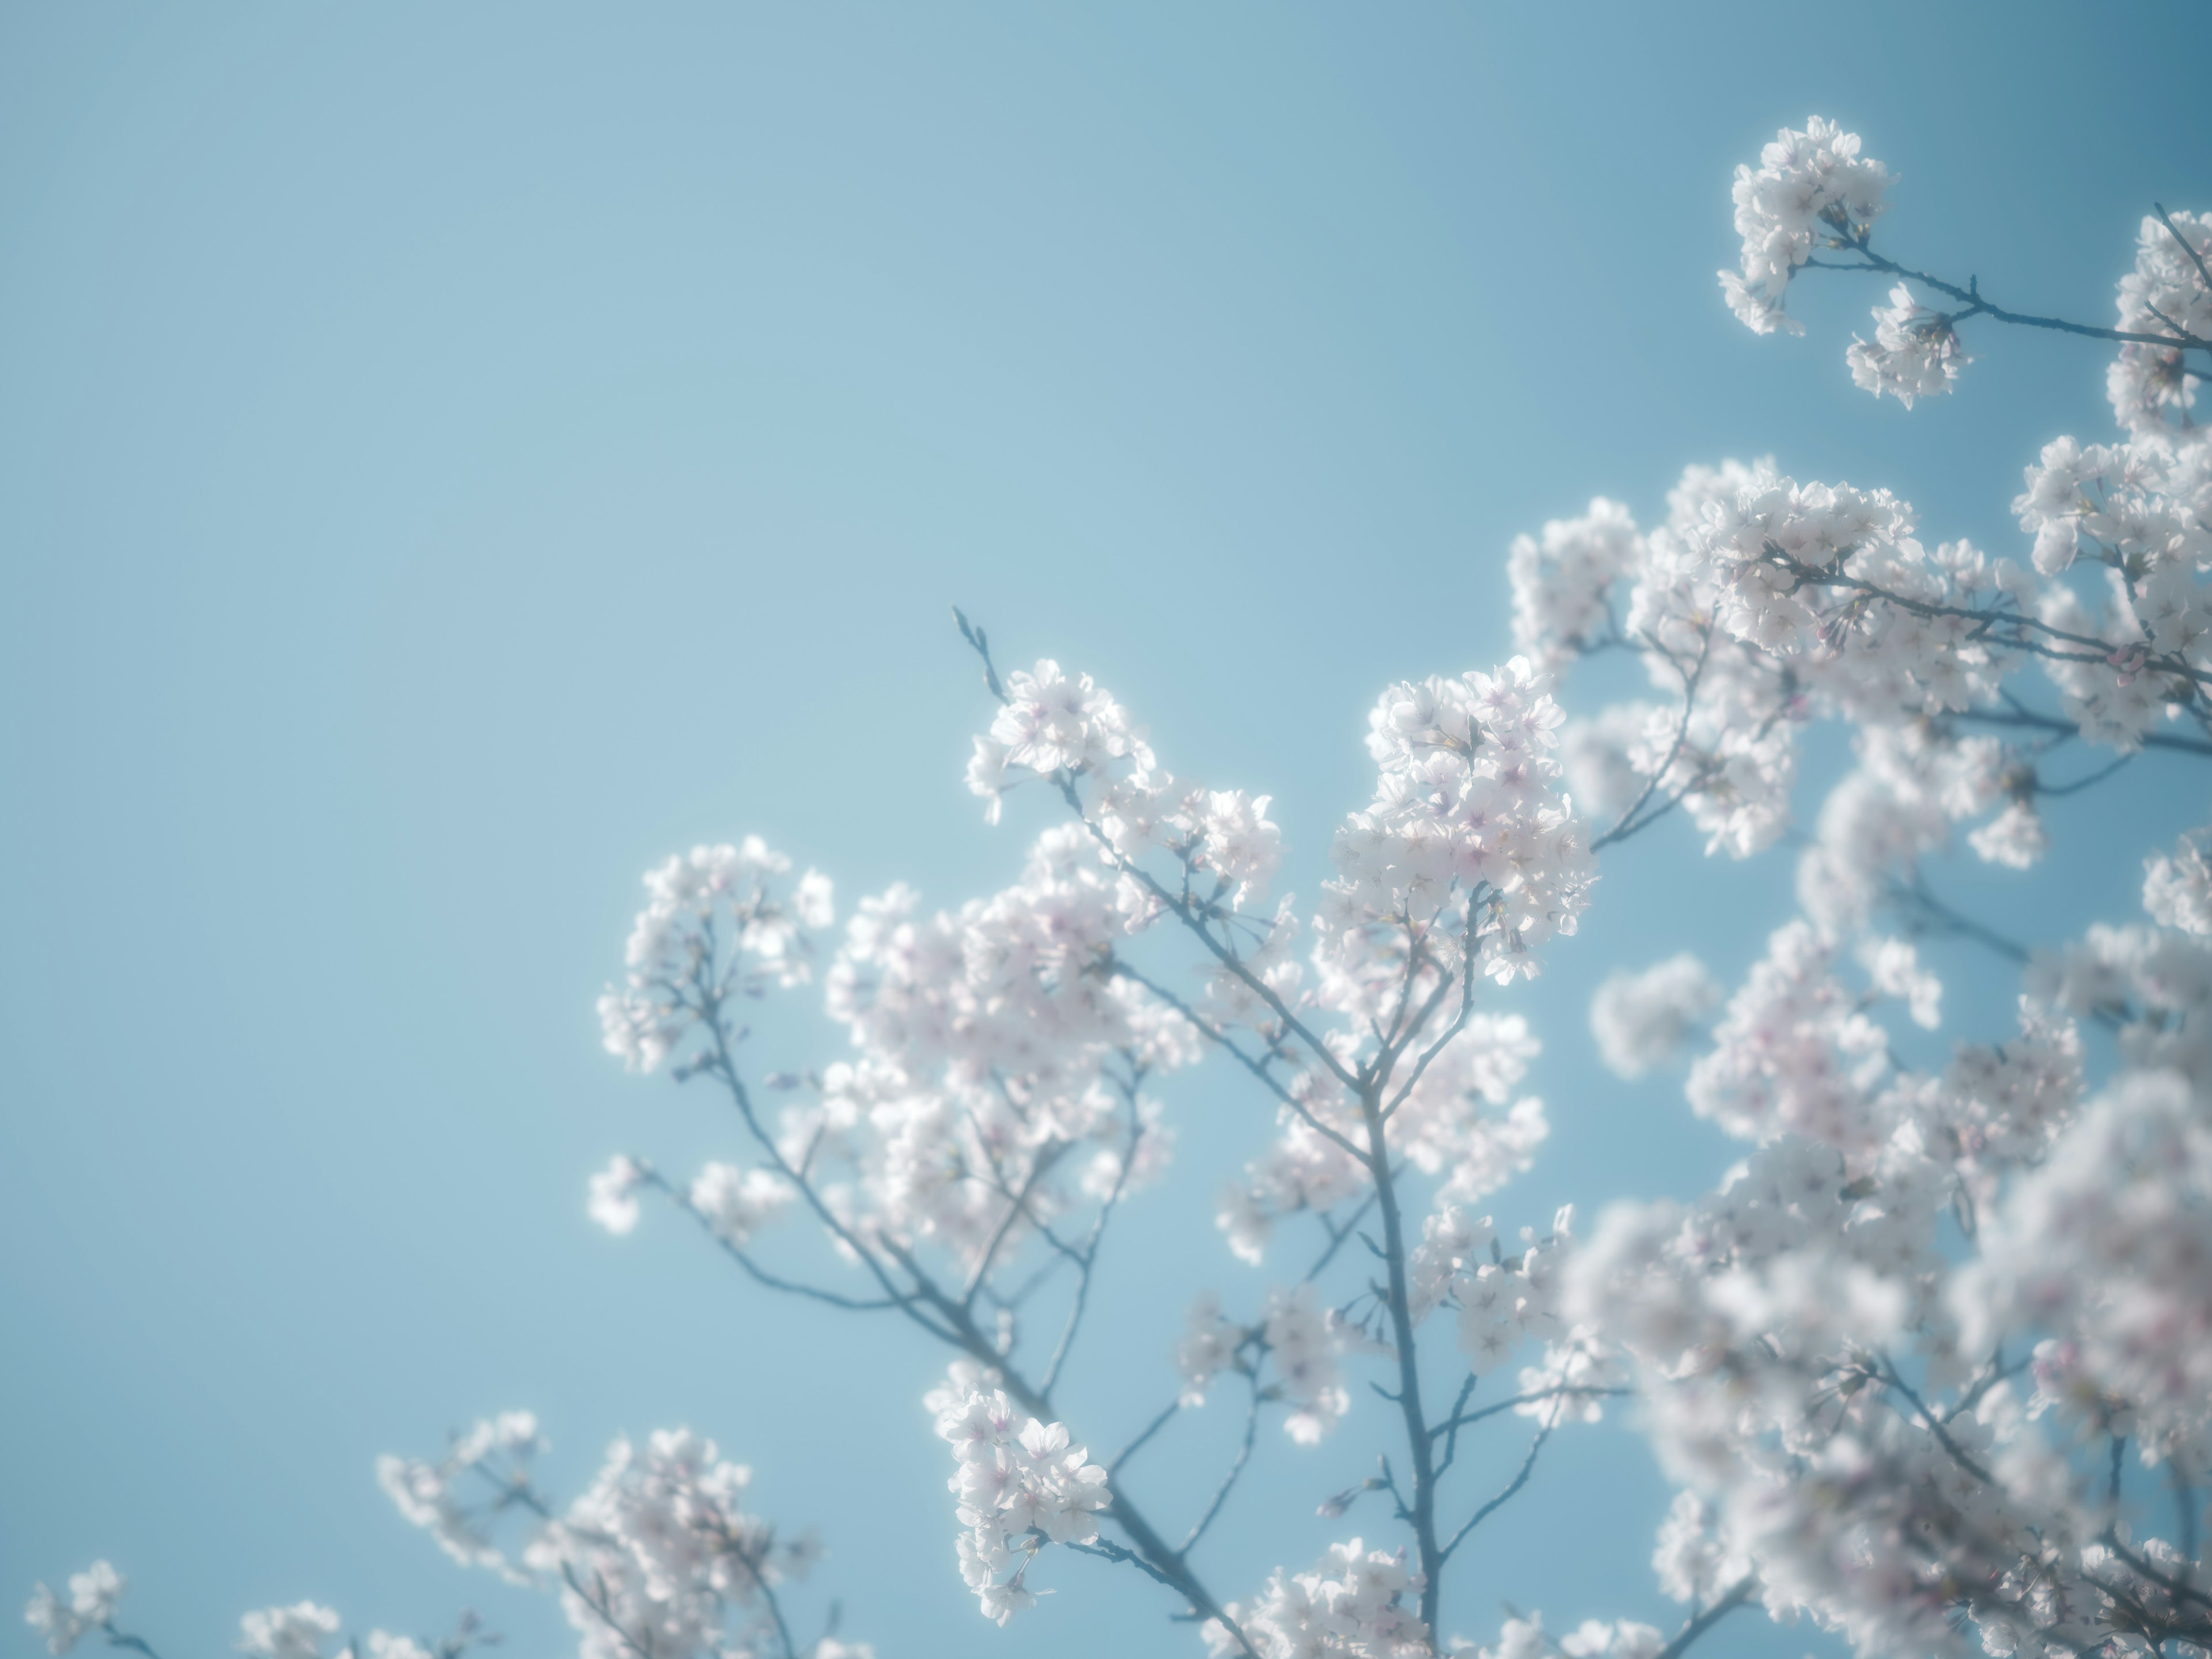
1528	1465
1706	1620
1236	1468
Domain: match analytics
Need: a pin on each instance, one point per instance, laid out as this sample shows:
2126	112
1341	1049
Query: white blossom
613	1203
1020	1486
1914	353
294	1633
1639	1020
2178	887
92	1595
1810	190
1354	1601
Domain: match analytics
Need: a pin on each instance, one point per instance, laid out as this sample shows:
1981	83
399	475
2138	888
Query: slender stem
2024	717
1236	1468
598	1603
2094	650
1257	1067
1182	910
1521	1479
759	1274
1450	1427
1564	1391
1626	824
1934	1423
1706	1620
1422	1509
955	1324
1166	1414
1082	1296
1459	1023
1336	1235
1972	297
2187	246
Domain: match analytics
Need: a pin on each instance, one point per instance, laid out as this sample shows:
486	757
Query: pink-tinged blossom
1020	1486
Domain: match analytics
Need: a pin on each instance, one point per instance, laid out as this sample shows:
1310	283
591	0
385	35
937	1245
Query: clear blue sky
452	456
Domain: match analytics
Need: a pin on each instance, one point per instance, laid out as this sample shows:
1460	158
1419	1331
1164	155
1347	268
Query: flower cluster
92	1595
1811	188
1469	843
1354	1602
1021	1486
2178	887
1640	1020
659	1554
1560	581
1835	1385
294	1633
1502	1300
720	921
298	1632
1915	353
2151	387
993	1086
493	1458
1594	1639
1450	1124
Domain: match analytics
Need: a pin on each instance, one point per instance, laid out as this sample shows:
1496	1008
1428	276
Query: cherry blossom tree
1931	1366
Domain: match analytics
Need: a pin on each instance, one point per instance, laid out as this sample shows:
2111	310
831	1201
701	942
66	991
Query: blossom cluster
1501	1300
1811	188
658	1555
1450	1124
1835	1382
1640	1020
1304	1341
720	921
1020	1486
1467	825
93	1595
991	1083
1914	352
1594	1639
298	1632
1354	1601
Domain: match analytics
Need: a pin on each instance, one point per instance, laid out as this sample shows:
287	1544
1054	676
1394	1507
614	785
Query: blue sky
450	457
